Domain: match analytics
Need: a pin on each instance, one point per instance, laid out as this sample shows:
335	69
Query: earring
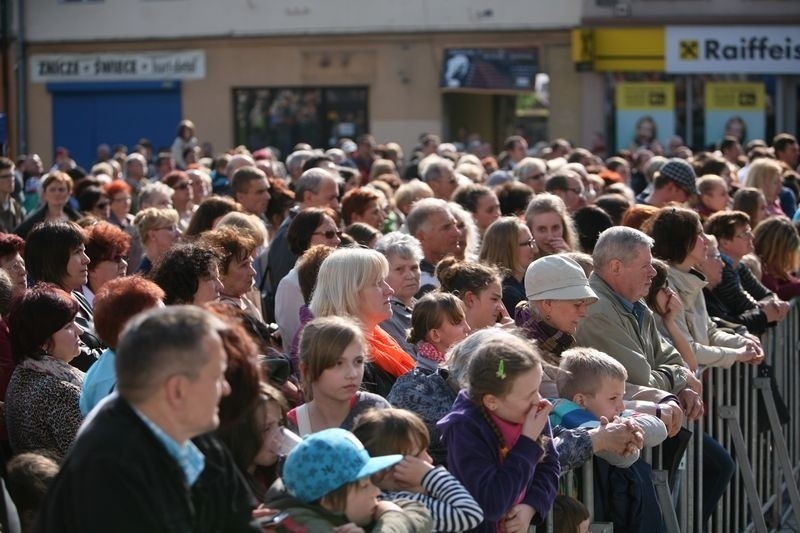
547	316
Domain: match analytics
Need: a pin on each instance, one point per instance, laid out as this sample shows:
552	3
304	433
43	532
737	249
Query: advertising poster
645	114
512	69
735	109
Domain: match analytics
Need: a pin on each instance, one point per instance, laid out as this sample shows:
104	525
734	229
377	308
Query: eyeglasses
182	186
328	234
530	243
119	258
535	177
745	235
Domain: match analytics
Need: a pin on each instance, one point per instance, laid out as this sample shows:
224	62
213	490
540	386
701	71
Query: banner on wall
143	66
645	114
734	109
512	69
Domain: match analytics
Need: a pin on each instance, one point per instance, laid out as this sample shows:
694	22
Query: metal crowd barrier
742	415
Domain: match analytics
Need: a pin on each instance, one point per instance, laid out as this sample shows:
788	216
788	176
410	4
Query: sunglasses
328	234
530	243
101	205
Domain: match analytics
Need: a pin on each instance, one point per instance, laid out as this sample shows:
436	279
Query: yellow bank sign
732	49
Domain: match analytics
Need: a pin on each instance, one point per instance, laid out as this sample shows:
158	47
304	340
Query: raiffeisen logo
732	49
751	48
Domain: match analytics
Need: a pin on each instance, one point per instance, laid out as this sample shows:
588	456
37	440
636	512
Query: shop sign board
144	66
732	49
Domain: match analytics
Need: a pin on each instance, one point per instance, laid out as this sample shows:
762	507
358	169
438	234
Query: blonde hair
321	345
550	203
584	369
154	218
777	244
408	193
342	276
500	245
761	171
247	223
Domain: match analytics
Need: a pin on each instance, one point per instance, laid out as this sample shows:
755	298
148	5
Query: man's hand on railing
693	383
775	308
672	416
691	403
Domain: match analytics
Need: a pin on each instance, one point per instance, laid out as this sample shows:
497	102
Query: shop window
284	116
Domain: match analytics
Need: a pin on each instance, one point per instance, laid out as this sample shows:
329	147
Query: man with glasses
11	213
568	186
438	173
739	290
532	172
316	187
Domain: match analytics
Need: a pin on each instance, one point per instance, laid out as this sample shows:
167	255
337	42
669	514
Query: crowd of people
346	340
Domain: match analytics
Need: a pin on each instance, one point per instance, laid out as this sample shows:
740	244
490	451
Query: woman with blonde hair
777	244
765	175
550	225
352	283
713	196
158	230
509	245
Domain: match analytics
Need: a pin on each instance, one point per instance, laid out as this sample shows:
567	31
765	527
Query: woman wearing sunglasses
309	227
107	248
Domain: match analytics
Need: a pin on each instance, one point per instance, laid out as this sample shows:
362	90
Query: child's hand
518	519
348	528
410	471
536	419
385	507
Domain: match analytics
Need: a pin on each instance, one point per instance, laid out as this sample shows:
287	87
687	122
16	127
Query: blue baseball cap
327	460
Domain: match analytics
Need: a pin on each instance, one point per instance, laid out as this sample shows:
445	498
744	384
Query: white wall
49	20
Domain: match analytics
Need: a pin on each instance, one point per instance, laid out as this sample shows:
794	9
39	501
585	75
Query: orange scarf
387	354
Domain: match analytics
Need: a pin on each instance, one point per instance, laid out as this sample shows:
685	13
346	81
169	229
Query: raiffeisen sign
732	49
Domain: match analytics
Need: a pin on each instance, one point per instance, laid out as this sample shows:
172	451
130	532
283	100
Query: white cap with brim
557	277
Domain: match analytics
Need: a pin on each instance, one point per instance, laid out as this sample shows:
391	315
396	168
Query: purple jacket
473	457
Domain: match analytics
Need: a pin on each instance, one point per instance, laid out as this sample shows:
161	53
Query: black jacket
119	477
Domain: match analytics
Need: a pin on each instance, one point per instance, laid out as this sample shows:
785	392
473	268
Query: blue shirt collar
187	455
634	308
